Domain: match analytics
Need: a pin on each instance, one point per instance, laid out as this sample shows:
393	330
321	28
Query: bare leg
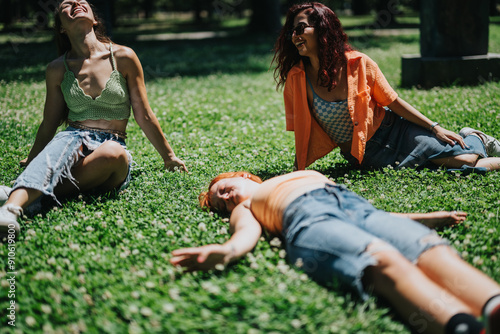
23	197
422	303
442	265
493	163
106	168
457	161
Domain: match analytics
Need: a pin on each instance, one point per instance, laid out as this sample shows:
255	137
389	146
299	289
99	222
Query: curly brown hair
332	44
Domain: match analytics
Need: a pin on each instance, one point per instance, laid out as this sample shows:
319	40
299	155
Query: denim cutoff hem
400	143
328	230
60	155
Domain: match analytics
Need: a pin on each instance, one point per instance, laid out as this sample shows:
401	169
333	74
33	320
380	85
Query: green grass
100	264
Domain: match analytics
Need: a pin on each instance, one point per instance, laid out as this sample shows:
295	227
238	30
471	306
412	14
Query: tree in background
6	16
494	7
266	16
386	13
360	7
106	10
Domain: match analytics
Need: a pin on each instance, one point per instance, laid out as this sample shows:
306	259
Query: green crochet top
113	103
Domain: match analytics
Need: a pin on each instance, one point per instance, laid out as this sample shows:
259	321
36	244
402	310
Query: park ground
99	264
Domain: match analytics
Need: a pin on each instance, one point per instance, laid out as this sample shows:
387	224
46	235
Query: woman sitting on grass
335	96
332	233
92	86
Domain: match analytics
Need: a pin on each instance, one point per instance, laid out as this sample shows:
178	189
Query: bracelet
433	125
233	251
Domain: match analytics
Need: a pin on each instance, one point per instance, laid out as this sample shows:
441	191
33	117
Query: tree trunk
6	13
386	13
197	11
360	7
266	16
148	6
494	8
105	9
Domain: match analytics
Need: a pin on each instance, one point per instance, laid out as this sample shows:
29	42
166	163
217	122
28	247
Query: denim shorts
61	154
401	143
328	230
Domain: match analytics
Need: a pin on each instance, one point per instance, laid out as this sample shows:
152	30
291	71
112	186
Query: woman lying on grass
91	86
331	233
335	96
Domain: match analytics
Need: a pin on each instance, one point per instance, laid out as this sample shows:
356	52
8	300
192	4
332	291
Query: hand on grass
174	162
201	258
24	162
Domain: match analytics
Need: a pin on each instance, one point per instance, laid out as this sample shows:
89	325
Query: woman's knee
437	254
390	265
467	159
391	262
112	152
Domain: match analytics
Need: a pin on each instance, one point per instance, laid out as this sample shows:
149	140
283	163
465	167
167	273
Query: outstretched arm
143	114
246	233
436	219
407	111
53	112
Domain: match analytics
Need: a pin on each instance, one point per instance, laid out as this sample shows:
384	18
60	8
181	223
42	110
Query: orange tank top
274	195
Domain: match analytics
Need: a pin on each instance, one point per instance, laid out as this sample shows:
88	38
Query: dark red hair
332	44
205	199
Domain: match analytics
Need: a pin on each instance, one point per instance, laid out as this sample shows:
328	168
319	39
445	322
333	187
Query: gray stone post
453	45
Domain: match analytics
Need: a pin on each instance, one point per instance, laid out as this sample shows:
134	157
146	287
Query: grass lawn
100	264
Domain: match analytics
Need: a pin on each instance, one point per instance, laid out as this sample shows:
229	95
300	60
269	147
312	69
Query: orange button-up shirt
367	93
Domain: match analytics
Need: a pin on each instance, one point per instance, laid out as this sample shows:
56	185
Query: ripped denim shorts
328	230
55	161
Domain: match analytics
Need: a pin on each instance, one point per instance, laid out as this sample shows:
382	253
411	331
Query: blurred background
199	37
262	15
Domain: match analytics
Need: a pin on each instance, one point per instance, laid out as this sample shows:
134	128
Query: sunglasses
298	29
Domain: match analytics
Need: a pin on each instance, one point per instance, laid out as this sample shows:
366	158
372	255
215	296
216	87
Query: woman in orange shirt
335	96
333	234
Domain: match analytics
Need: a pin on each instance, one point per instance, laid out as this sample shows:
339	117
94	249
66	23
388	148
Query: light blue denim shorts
328	230
62	153
401	143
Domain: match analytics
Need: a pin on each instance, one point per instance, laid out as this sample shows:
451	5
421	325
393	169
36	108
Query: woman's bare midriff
274	196
115	125
293	195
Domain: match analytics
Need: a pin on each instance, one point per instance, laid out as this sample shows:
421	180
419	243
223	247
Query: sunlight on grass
100	263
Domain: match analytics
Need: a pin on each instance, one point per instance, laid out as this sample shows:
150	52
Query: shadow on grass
381	42
334	171
339	170
46	203
238	52
242	53
233	54
376	26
